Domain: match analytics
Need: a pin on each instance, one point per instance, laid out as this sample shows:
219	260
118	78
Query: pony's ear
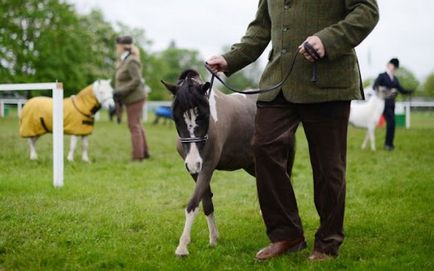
170	87
204	88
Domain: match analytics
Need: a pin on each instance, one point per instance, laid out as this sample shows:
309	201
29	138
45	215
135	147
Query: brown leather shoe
317	256
280	248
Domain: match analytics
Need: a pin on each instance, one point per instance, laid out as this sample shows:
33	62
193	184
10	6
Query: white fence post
58	135
407	115
57	89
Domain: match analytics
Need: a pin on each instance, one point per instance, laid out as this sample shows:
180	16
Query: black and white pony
215	132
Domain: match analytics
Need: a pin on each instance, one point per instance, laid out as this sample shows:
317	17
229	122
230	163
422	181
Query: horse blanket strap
188	140
88	122
44	125
79	111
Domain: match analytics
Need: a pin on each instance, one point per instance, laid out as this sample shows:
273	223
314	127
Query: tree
41	41
368	82
167	65
101	57
407	78
428	86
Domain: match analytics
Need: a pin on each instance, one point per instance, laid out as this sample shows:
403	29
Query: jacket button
285	29
286	7
284	51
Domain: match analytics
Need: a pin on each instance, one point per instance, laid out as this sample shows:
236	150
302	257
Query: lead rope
309	49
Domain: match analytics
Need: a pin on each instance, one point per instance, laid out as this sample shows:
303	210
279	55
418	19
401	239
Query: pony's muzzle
193	167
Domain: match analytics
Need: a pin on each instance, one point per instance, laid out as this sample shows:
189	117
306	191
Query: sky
405	30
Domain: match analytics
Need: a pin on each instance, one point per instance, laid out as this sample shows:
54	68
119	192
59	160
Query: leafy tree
101	57
407	78
167	65
428	86
368	82
42	41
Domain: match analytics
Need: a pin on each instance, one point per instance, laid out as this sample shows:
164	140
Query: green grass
114	214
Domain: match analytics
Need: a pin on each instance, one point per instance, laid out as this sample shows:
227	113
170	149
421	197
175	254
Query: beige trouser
138	137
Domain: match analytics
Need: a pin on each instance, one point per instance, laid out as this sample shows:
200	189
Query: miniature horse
367	114
215	132
78	116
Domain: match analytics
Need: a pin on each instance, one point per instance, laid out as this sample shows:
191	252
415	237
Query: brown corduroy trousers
138	137
325	126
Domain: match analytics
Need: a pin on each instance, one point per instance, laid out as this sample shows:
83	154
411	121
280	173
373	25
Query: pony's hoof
34	157
86	160
181	251
213	243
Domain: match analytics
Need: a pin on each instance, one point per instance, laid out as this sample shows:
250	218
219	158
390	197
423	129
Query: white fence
57	89
17	101
405	108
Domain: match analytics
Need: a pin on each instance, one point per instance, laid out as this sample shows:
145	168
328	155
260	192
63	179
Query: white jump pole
58	135
407	115
57	90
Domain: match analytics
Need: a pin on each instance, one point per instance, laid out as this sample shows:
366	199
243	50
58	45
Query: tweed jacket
340	24
128	81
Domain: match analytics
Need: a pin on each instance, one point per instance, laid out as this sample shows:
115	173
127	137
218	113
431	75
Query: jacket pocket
339	73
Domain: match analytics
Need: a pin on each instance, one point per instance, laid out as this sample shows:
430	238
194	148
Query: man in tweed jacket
333	28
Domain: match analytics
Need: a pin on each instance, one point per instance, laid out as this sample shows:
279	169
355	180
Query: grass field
114	214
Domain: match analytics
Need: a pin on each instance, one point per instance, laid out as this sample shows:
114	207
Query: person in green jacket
130	91
321	103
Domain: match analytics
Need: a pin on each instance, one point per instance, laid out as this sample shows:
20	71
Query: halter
189	140
307	47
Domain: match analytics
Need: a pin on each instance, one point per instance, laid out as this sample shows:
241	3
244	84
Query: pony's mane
187	97
189	73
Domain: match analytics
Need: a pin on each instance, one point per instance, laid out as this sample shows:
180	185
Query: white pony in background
78	116
367	114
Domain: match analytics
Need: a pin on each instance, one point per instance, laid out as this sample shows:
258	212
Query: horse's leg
365	141
72	147
371	132
208	209
32	144
202	185
85	149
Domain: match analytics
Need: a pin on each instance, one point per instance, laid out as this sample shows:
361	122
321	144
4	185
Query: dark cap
394	62
126	40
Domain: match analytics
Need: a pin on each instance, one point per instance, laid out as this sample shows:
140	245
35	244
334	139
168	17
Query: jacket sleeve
253	43
361	18
400	88
133	68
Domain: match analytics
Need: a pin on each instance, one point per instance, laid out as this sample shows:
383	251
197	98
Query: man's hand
316	44
217	64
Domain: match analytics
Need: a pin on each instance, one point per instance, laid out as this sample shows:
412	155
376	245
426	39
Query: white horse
78	117
367	114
